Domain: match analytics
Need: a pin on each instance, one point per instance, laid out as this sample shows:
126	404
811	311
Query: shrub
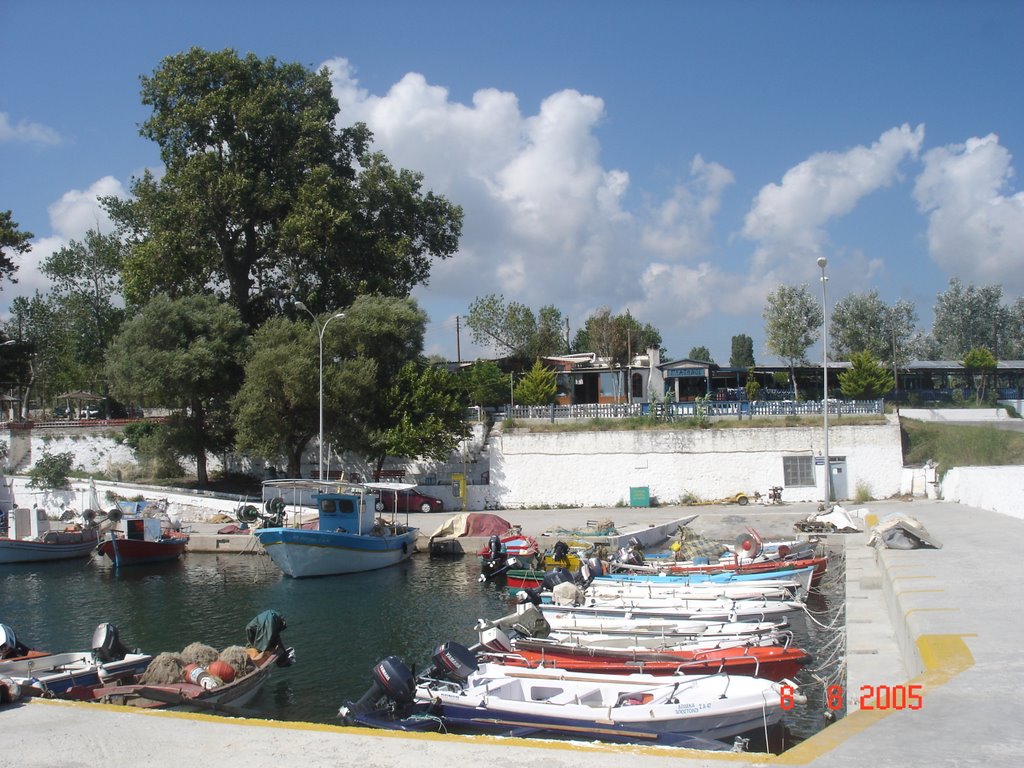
863	493
51	471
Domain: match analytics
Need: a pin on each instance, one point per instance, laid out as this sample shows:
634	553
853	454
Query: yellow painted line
900	578
944	657
930	610
917	591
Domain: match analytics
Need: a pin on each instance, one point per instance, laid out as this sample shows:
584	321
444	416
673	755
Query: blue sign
682	372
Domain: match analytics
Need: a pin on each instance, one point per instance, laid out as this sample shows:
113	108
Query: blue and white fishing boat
335	529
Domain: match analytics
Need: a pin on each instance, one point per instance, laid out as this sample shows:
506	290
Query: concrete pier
934	676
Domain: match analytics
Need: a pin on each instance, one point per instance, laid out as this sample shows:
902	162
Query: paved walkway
944	624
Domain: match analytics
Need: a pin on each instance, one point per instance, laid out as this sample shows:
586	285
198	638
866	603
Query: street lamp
822	262
320	332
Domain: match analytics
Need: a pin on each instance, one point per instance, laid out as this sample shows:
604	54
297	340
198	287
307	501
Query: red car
408	501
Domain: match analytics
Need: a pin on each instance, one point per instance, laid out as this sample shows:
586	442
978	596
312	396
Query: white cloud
682	225
788	220
545	221
74	214
975	224
25	131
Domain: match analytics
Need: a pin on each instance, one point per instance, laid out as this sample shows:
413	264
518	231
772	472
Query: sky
678	160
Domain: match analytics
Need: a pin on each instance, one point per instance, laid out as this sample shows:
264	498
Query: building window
798	470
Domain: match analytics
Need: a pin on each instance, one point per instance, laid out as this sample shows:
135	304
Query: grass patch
952	445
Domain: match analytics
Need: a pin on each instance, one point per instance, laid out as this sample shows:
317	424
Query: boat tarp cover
264	631
902	532
472	524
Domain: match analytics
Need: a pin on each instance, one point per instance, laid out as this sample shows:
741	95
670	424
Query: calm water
339	626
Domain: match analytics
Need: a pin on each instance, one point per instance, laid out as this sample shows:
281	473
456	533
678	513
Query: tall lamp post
822	262
320	332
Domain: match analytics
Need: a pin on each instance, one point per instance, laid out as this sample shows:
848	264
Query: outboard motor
496	561
9	645
107	645
454	662
554	577
393	683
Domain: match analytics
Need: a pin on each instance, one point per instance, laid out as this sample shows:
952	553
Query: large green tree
427	406
792	322
701	353
742	352
85	299
11	241
263	198
277	407
616	337
485	384
512	329
970	317
186	354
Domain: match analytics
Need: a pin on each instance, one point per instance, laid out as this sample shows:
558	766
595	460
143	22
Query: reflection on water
339	626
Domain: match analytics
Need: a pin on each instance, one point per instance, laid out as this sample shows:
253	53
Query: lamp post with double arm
321	329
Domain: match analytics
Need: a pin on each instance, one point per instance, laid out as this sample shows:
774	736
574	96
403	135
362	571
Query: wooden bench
389	474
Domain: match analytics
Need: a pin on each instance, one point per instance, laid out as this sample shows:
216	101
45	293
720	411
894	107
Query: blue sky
677	159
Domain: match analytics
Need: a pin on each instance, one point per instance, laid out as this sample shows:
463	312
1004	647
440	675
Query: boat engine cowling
555	577
392	680
454	661
107	645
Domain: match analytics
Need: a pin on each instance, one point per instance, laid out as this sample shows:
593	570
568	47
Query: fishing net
238	658
692	545
198	653
165	669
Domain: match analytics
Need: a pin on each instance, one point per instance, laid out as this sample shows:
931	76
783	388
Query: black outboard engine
554	577
589	569
393	687
9	645
453	661
107	645
496	561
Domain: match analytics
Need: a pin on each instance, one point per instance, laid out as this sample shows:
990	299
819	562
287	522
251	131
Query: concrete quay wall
530	469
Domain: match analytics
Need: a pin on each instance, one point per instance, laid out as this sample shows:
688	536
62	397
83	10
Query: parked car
61	412
89	412
409	501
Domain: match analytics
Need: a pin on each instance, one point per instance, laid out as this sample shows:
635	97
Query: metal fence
691	410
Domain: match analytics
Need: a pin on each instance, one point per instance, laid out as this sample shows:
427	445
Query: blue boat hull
301	553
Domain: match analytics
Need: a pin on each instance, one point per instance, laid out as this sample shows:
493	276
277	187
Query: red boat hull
140	552
771	662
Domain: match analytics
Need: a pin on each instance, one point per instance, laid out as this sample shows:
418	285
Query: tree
51	471
969	318
84	300
263	198
742	354
792	319
863	322
513	330
702	354
427	404
980	365
485	384
11	241
187	354
277	407
866	379
616	337
537	387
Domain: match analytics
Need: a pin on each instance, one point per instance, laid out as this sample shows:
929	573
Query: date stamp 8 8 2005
869	697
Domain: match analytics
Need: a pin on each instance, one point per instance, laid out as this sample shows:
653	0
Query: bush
51	471
863	493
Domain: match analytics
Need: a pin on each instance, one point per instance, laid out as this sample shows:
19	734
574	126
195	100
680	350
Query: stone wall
599	468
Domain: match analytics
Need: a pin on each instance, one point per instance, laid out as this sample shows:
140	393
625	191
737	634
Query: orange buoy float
221	669
198	675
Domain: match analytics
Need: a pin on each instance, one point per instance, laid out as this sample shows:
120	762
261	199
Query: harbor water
339	626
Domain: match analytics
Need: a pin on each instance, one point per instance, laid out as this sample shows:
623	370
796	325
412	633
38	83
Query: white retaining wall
599	468
998	489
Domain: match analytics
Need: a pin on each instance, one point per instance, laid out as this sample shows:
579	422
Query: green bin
640	496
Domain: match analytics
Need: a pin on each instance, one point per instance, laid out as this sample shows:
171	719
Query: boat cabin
138	528
346	512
